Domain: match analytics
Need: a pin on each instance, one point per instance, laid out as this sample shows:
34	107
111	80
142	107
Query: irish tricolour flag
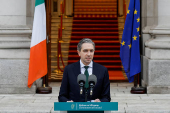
38	50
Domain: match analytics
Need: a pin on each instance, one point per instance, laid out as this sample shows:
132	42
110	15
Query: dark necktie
87	75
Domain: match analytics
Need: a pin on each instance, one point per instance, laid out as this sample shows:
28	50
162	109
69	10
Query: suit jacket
70	89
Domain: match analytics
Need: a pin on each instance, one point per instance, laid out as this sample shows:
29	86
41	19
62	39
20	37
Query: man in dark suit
70	91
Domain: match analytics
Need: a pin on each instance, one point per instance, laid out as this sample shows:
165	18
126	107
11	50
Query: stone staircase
66	37
56	74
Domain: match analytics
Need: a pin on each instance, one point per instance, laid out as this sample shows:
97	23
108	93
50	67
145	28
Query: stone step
96	10
55	28
88	34
98	57
94	7
95	4
95	21
67	39
55	24
91	12
94	1
64	20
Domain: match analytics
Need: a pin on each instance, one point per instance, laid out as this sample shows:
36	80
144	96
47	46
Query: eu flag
130	49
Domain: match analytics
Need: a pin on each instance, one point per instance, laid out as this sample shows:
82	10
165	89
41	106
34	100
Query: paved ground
120	92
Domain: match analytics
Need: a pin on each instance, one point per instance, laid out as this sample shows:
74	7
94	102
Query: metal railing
59	53
124	9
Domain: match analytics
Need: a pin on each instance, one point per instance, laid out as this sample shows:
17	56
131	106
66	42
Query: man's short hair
85	40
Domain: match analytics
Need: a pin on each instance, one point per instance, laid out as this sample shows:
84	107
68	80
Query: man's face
86	54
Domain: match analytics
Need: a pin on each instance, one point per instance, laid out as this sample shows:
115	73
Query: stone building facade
16	19
156	48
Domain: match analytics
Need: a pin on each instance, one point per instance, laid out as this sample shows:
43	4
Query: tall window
55	5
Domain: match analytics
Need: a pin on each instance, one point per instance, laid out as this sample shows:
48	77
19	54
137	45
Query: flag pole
138	89
46	89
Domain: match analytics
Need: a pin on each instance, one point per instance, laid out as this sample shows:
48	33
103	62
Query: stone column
156	59
69	8
15	36
120	8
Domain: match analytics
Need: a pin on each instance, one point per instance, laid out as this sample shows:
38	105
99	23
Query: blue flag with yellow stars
130	49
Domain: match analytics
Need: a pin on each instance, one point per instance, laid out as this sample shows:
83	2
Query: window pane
55	5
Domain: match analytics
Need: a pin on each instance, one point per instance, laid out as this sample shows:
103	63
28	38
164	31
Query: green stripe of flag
38	2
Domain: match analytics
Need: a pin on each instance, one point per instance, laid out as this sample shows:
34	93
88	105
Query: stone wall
16	18
30	6
156	48
13	12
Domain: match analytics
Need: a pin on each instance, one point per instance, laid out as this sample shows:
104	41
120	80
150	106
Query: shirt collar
82	65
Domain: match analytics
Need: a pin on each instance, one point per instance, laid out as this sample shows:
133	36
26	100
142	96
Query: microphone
81	80
92	82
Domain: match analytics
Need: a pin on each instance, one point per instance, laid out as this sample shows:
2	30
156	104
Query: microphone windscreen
81	77
92	78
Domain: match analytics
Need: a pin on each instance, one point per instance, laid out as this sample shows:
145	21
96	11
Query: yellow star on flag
134	38
129	46
137	29
128	11
135	12
138	19
123	43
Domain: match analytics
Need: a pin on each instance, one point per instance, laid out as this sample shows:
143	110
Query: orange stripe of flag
38	62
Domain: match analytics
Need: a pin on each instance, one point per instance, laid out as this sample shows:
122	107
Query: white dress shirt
89	69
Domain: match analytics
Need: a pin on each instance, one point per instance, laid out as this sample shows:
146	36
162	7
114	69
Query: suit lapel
95	70
76	68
